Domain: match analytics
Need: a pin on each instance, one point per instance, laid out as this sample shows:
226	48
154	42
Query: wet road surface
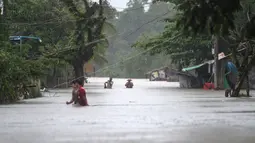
152	112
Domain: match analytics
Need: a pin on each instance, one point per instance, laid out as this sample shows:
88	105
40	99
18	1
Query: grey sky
119	4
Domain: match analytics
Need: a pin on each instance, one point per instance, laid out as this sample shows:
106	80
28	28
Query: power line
52	22
129	58
119	34
125	60
150	21
133	31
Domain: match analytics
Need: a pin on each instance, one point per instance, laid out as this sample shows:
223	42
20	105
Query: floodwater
151	112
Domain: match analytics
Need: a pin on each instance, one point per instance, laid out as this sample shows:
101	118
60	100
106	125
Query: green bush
16	70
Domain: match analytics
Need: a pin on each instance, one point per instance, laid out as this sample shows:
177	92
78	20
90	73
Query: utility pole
216	61
3	17
1	21
1	7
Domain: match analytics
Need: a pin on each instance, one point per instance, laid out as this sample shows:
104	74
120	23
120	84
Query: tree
57	27
183	50
89	23
242	38
196	16
137	19
219	18
16	69
52	23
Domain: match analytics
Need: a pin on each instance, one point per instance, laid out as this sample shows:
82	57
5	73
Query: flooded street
152	112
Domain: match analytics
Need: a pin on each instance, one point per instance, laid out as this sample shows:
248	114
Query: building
196	76
89	69
162	74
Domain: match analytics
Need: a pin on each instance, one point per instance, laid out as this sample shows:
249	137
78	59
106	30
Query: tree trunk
216	61
248	86
78	70
244	75
4	27
239	84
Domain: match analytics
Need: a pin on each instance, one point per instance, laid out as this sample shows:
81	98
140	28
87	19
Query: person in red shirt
81	94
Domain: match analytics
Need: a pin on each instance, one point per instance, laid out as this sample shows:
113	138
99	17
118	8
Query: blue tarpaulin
232	68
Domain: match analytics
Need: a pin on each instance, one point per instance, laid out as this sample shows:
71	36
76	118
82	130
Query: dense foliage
66	37
183	50
17	71
140	18
197	21
74	32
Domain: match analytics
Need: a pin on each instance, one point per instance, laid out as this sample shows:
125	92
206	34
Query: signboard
89	68
221	56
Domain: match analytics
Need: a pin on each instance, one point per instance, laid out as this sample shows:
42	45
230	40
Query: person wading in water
78	94
129	84
109	83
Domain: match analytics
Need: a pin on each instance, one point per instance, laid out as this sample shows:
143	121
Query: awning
197	66
17	38
192	68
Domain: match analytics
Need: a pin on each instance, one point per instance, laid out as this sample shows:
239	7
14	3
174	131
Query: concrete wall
35	91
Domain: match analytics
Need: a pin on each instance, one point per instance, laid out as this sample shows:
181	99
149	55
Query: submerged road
152	112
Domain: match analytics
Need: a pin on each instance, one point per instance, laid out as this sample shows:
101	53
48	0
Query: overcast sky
119	4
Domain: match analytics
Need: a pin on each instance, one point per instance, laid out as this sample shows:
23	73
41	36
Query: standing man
231	74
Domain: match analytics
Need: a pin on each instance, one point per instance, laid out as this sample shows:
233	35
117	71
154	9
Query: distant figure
86	79
129	84
108	84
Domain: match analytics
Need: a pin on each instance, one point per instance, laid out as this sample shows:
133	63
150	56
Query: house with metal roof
196	76
162	74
